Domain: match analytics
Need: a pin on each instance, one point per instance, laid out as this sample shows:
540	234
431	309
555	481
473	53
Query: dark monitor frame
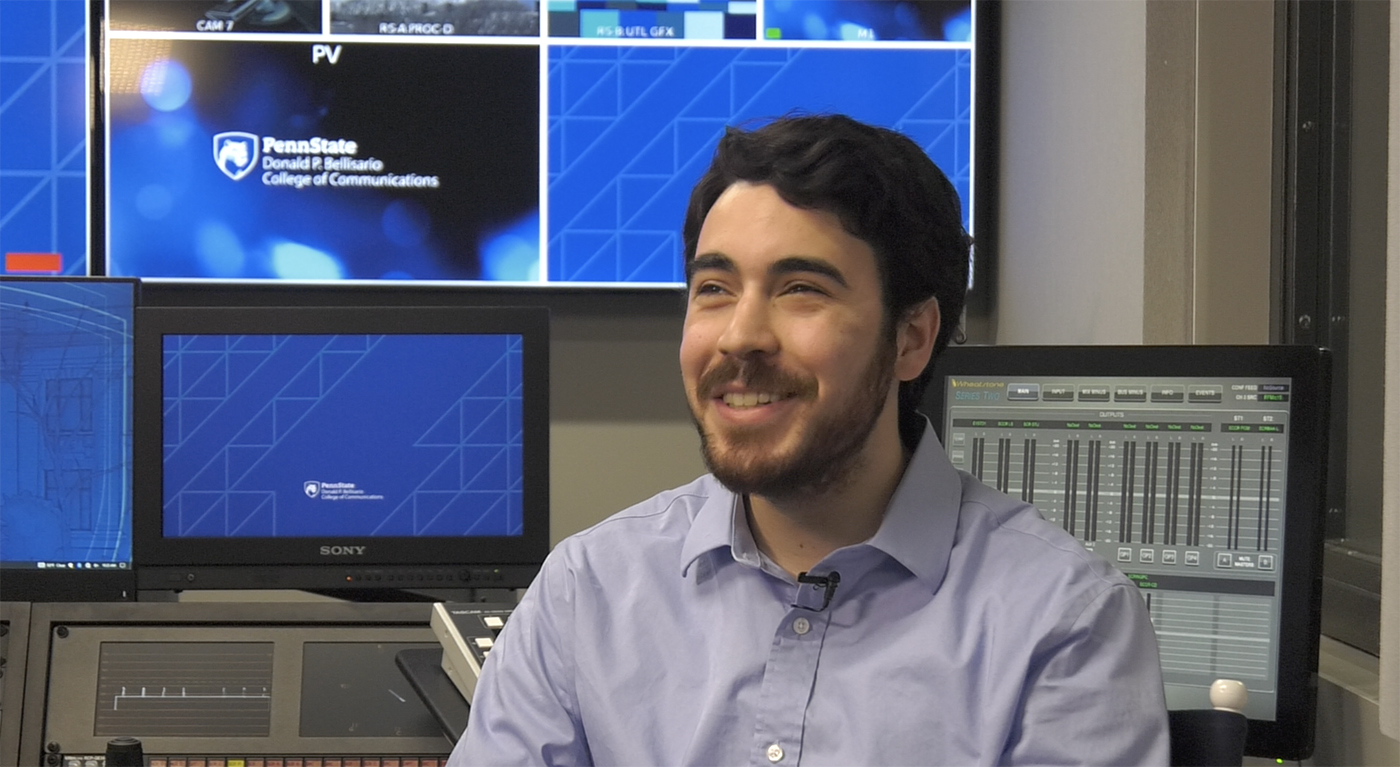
1290	735
26	585
389	563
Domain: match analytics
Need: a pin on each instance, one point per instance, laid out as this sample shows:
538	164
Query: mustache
753	373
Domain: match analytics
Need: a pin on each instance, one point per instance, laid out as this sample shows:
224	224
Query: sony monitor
66	439
1198	471
517	142
341	448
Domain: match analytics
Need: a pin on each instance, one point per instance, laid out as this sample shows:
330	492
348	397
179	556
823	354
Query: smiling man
834	591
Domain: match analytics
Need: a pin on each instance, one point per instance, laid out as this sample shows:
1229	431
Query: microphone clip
829	581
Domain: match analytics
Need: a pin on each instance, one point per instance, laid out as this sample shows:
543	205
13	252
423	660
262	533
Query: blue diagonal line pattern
43	135
631	129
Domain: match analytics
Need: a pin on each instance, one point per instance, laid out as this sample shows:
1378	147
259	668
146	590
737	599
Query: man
834	592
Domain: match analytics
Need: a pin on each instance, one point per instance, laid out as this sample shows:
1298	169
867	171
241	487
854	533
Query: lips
749	383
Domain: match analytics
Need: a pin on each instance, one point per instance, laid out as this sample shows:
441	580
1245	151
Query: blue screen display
65	423
632	129
502	141
342	435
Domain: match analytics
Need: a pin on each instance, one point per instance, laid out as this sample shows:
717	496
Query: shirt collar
921	522
918	530
719	523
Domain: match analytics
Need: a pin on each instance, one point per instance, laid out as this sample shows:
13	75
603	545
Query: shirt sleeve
1094	695
524	710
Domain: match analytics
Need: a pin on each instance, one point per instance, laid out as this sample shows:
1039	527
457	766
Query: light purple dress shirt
968	630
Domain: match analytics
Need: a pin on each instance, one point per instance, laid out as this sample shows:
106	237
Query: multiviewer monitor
341	447
524	142
65	439
1198	471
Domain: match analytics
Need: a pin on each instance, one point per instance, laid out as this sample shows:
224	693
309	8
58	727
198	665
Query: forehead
753	226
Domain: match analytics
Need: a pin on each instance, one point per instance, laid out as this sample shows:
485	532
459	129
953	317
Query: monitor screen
1196	471
505	141
338	447
66	438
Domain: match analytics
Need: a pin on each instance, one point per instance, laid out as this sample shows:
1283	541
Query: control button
1130	394
1169	557
1093	394
1147	556
1058	393
775	753
1223	560
1023	392
1266	561
960	438
1203	393
1169	393
485	643
1193	558
493	622
1125	554
801	626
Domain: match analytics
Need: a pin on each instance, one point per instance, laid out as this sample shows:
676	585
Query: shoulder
1007	542
653	530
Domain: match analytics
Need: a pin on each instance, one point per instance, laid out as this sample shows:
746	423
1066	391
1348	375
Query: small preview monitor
1198	471
344	448
66	439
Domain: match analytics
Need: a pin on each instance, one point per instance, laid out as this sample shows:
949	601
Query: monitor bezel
1291	734
296	563
23	584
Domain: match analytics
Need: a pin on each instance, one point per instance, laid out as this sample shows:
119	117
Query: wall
620	429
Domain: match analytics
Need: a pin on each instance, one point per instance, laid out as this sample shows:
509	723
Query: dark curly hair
885	191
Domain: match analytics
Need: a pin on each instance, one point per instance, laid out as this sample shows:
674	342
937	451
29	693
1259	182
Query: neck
799	531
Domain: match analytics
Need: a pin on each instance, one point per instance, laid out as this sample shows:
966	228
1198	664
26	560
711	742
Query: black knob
125	752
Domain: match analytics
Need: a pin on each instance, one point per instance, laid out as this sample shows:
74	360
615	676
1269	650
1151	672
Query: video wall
503	141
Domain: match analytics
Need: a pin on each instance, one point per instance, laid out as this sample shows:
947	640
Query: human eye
804	289
707	289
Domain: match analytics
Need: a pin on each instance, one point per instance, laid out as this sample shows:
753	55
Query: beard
829	450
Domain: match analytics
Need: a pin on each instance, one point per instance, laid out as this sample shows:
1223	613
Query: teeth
750	399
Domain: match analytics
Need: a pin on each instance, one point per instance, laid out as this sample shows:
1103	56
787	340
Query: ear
914	339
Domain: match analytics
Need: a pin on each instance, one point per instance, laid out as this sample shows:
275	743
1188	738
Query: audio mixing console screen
1179	482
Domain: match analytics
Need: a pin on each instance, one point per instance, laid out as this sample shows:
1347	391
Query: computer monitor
341	448
65	439
1198	471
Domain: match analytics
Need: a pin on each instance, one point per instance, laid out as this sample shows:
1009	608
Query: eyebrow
717	261
788	265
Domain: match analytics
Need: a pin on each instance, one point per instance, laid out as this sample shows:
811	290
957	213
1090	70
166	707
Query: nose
749	330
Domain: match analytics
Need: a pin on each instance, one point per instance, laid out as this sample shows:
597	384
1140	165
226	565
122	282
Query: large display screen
65	424
511	141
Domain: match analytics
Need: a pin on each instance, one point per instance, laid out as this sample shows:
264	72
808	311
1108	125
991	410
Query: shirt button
775	753
801	626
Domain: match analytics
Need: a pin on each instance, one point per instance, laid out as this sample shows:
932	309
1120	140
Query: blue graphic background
43	103
468	114
65	421
431	422
868	20
631	129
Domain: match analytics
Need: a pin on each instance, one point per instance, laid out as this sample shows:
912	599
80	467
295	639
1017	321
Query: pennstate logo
312	489
236	154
